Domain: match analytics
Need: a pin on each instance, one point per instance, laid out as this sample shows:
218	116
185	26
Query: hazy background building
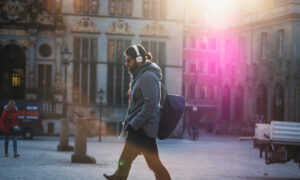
260	65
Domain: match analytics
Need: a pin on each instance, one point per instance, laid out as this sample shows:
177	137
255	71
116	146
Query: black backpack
170	113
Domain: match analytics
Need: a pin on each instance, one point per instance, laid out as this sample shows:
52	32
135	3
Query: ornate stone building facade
33	34
260	66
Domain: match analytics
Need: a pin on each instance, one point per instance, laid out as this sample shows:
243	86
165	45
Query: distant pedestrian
9	124
142	120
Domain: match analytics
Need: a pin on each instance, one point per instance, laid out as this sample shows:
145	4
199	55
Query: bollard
64	137
79	155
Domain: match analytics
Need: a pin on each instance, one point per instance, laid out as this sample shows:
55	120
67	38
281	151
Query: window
202	92
84	70
212	92
193	42
212	68
16	80
213	43
242	48
117	75
201	67
263	44
193	68
192	92
50	128
154	8
184	42
86	6
158	51
44	81
280	42
120	7
51	4
45	50
203	42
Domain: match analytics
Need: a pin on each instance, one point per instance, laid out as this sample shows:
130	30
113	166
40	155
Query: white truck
280	141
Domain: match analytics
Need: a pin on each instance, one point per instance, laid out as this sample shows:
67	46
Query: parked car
30	119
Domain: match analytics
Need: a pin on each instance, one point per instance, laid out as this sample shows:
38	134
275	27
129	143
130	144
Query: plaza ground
210	157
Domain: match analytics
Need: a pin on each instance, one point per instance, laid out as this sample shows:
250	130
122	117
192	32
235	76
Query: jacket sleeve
4	113
149	86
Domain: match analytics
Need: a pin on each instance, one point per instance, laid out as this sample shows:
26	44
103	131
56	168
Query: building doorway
12	72
261	102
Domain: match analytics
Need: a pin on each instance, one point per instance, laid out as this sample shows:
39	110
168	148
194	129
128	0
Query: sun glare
219	12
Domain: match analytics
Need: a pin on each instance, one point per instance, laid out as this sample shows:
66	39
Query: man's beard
132	69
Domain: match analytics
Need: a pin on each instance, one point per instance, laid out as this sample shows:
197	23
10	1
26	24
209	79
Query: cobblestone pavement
209	158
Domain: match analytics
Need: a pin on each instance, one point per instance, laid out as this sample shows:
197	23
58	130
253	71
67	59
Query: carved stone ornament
85	26
119	27
25	43
13	9
58	82
155	30
32	31
45	18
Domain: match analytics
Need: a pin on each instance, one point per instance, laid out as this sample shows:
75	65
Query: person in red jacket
9	124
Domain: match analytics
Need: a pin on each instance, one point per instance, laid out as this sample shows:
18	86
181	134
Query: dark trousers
6	137
138	142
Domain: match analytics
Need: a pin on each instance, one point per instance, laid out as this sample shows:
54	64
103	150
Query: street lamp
66	55
101	94
64	124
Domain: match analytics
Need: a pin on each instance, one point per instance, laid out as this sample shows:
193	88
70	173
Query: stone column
32	41
58	64
64	136
80	143
270	103
30	93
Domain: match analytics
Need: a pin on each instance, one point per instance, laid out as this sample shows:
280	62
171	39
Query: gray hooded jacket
144	107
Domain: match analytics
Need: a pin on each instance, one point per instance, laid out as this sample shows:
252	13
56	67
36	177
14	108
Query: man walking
142	119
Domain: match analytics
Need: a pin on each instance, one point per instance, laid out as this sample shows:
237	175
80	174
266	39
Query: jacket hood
7	109
150	66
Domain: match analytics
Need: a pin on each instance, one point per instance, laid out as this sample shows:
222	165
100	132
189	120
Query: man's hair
11	102
130	51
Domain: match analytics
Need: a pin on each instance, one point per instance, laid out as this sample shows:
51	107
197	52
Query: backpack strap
163	94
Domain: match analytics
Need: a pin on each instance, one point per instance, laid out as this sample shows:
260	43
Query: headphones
138	58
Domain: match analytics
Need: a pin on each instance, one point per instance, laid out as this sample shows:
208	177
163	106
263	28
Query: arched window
84	70
86	6
117	73
158	51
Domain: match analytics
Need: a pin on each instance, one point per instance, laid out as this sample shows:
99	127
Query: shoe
6	154
16	155
111	177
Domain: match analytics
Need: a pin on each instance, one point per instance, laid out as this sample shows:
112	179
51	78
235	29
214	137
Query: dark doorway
12	72
278	103
226	104
261	102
